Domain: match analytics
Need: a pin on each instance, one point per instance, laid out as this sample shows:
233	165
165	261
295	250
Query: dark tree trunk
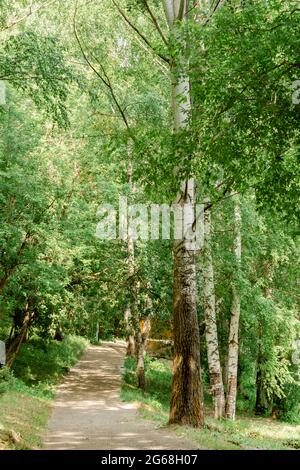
140	368
187	396
18	339
261	402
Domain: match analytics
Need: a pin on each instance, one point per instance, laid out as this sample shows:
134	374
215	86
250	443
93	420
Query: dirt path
88	413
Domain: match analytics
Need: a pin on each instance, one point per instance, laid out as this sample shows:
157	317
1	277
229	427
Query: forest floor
88	413
247	432
27	393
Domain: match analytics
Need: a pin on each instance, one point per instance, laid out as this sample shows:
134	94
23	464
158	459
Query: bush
288	409
6	379
158	377
47	362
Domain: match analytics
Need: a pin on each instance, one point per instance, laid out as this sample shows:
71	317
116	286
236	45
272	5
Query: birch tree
142	336
130	333
233	346
186	400
211	333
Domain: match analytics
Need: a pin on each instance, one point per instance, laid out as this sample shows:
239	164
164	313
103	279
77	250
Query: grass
25	405
246	432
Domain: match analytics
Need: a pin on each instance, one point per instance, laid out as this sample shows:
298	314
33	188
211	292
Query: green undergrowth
247	432
26	392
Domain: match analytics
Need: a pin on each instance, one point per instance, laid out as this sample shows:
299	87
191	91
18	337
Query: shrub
6	379
47	362
289	407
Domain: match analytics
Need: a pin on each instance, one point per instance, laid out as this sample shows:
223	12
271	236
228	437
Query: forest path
88	413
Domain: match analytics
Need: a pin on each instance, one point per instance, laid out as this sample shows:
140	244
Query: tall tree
211	332
186	399
129	309
233	343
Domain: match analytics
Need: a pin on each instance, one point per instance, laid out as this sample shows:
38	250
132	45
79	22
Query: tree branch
132	26
29	13
215	8
105	80
8	271
155	22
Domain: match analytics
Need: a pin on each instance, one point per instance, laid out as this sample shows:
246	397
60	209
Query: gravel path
88	413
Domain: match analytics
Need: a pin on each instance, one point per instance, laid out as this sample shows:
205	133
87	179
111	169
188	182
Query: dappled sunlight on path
88	412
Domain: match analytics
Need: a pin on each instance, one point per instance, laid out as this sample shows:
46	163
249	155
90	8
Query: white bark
186	400
97	332
128	318
142	340
233	347
211	333
174	9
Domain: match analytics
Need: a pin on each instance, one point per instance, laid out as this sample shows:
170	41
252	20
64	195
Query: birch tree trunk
130	342
211	334
143	336
186	405
129	321
233	347
129	310
142	339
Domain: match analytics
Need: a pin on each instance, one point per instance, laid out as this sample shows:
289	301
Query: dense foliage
85	99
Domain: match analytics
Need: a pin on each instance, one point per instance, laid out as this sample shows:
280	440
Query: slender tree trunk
18	339
233	348
261	402
128	314
97	332
211	334
140	366
186	405
142	341
130	342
